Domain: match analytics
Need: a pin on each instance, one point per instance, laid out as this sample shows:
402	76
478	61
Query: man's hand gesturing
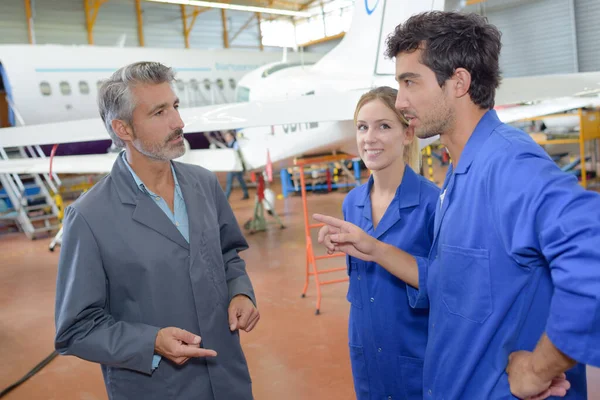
179	345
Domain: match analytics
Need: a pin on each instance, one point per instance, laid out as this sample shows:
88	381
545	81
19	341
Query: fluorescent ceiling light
210	4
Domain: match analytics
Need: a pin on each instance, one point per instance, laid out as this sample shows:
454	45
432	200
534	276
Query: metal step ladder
33	208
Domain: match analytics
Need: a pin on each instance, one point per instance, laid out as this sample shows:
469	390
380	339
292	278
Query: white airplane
55	83
298	111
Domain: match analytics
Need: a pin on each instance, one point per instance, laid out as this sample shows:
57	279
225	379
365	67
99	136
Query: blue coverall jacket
516	254
387	337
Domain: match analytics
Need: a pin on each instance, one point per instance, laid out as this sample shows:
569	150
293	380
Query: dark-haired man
513	278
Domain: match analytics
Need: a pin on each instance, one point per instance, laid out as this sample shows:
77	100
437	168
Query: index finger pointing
335	222
189	351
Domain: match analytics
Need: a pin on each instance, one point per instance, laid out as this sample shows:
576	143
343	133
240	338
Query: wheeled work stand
258	222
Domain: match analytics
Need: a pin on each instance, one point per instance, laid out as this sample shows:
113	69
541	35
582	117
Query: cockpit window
281	66
232	83
243	94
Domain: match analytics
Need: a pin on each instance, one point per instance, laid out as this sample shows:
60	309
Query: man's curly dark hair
452	40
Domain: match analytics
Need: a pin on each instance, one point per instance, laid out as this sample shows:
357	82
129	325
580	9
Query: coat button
358	278
379	349
372	300
429	391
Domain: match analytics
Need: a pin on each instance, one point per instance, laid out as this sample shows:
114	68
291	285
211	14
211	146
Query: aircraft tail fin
362	49
121	41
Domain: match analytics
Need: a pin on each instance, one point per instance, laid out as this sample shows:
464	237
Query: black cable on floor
31	373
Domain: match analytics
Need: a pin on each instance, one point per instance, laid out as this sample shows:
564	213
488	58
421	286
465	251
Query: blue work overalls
516	254
387	337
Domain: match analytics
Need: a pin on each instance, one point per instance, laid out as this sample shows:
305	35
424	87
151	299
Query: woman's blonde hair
387	95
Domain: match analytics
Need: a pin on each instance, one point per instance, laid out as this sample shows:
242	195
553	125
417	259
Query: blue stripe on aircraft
75	69
201	69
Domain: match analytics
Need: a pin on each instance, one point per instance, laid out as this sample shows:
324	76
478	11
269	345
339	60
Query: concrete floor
292	353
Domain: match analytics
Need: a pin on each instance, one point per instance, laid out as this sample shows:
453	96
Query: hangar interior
299	348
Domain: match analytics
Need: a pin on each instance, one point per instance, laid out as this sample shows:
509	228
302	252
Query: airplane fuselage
52	83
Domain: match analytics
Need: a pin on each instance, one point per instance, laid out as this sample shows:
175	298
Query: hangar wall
539	36
587	15
13	27
63	22
545	36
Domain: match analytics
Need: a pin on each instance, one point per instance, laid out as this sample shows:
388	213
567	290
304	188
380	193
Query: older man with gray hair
150	284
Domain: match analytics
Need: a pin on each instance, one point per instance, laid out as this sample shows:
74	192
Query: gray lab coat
125	272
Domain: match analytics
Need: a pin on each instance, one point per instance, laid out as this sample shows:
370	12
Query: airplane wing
316	108
338	107
547	107
218	160
546	87
323	108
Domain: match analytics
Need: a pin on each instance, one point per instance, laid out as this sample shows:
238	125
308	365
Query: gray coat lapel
146	211
199	210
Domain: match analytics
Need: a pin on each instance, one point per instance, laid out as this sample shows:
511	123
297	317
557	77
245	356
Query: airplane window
220	83
45	88
65	88
243	94
206	84
194	84
232	83
180	84
84	87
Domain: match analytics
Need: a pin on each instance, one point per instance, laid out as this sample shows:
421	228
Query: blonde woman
387	337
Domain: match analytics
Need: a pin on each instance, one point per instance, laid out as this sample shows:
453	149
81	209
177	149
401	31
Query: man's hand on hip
242	313
179	345
526	384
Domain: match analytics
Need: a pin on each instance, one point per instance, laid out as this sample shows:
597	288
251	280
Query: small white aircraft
295	111
55	83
